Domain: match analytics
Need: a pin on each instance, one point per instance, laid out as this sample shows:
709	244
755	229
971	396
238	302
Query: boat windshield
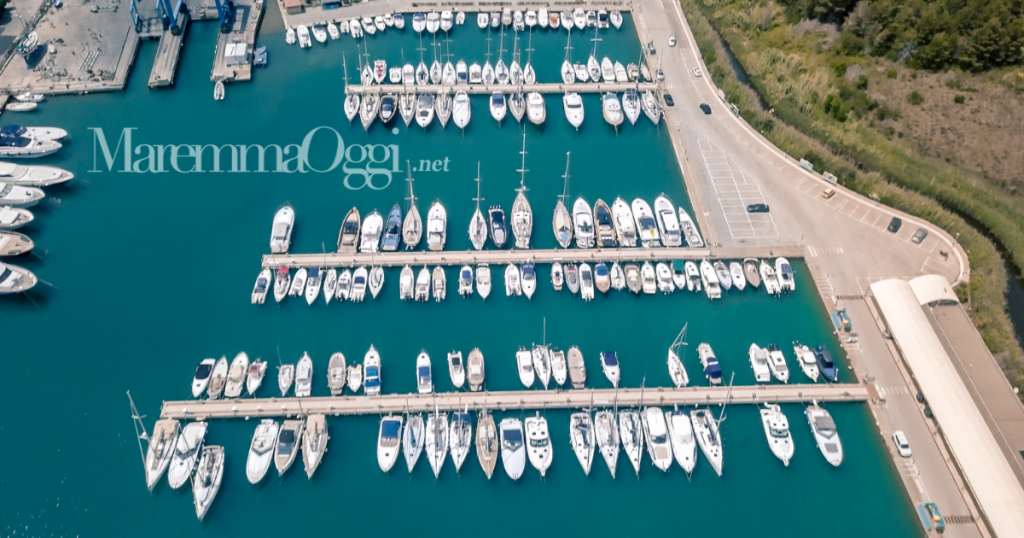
609	358
513	438
285	440
389	429
540	443
203	371
424	372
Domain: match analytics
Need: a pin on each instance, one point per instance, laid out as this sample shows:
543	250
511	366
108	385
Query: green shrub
891	73
959	99
915	98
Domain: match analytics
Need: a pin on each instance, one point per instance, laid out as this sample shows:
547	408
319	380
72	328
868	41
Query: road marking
734	194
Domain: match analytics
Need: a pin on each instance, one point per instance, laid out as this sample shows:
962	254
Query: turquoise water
149	273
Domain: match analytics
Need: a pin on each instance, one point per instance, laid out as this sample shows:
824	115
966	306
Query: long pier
506	400
487	89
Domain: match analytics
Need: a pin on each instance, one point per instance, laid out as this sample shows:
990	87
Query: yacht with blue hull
826	365
392	230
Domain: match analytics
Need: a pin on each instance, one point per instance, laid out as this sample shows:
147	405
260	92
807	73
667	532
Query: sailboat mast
522	170
478	198
412	197
565	185
137	419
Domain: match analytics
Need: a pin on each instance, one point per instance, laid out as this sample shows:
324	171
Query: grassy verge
896	178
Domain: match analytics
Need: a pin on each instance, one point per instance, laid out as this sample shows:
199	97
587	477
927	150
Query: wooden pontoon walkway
528	399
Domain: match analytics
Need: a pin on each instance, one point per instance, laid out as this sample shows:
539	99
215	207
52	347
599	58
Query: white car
672	40
661	75
902	445
697	72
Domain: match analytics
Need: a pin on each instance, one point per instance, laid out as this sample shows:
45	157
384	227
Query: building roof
932	290
972	443
292	3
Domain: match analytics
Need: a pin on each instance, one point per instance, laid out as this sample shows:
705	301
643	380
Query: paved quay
505	400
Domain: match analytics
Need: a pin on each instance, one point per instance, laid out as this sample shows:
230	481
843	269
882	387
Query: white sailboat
581	434
562	221
412	441
684	444
706	428
187	449
676	370
161	449
477	224
209	472
486	442
632	436
522	214
607	434
314	443
460	437
437	440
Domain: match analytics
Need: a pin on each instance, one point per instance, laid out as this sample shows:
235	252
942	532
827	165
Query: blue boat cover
389	428
609	358
424	371
713	370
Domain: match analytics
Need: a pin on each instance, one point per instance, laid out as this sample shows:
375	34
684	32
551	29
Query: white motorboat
486	442
236	376
344	288
447	20
736	272
557	277
710	280
348	234
784	271
684	444
289	36
483	280
187	449
354	373
455	368
604	225
261	451
825	434
615	17
304	376
518	23
693	279
304	41
577	368
542	364
424	109
422	290
437	225
647	227
498	106
389	442
586	282
771	282
314	443
517	105
579	18
466	281
705	427
371	370
481	21
535	108
330	285
313	284
475	369
461	73
601	278
319	33
285	378
622	77
530	18
649	278
581	434
443	107
433	22
332	30
388	106
206	482
632	435
776	431
559	369
419	22
649	104
679	274
460	437
424	377
617	277
808	362
573	105
461	111
202	377
439	282
668	224
572	278
663	275
336	371
513	286
529	279
722	272
299	282
539	447
259	290
254	377
413	440
656	433
217	379
373	227
513	450
31	142
708	361
610	367
281	232
583	223
161	450
25	175
777	363
625	229
524	363
399	21
437	440
759	363
750	272
287	444
607	437
355	29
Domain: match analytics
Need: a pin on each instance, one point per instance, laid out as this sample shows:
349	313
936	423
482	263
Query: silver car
902	445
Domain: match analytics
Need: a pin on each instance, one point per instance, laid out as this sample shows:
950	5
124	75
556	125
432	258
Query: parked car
757	208
661	75
894	224
902	445
705	108
672	40
919	235
650	48
697	72
828	193
669	101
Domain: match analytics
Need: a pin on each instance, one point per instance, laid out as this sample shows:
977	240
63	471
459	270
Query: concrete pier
487	89
511	400
167	54
247	21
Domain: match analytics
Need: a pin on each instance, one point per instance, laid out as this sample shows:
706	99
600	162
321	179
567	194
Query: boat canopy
389	428
12	130
609	358
679	265
713	370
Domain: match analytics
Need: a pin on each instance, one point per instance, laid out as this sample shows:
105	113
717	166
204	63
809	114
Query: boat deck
523	399
487	89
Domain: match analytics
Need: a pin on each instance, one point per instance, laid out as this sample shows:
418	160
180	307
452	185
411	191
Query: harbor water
148	273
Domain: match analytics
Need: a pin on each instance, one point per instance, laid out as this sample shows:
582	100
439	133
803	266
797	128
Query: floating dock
506	400
487	89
